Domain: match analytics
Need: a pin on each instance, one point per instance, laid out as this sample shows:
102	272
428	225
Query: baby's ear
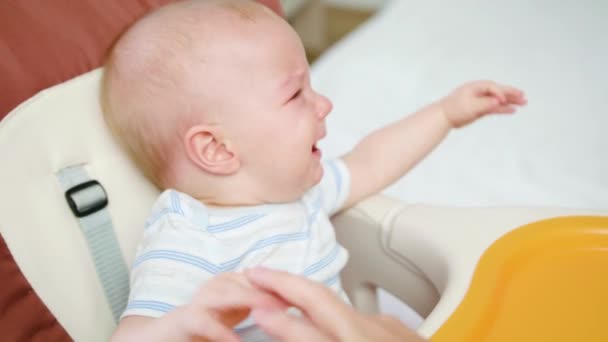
206	150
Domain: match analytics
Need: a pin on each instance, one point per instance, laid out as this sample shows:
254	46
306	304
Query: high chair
72	209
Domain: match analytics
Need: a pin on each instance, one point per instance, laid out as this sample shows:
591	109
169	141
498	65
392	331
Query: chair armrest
424	255
364	231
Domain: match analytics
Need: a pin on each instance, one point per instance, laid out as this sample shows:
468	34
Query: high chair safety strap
88	201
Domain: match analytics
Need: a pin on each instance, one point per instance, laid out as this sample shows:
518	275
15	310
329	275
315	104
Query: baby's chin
318	175
293	189
315	177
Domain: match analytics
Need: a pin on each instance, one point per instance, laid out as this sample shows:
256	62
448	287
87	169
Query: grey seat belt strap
88	200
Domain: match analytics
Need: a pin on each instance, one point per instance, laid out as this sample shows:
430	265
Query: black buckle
88	206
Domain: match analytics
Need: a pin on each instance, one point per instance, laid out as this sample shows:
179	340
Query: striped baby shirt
185	243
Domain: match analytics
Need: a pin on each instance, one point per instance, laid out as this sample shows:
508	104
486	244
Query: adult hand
220	304
324	318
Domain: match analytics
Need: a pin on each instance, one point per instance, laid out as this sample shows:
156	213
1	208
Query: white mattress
554	152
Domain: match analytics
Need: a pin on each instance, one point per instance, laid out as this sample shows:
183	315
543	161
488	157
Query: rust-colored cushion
43	43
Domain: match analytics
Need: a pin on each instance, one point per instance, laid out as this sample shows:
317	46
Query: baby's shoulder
173	206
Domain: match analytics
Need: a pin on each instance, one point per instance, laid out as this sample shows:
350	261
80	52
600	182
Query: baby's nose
324	106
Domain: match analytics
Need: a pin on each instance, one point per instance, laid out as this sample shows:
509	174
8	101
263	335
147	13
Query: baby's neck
238	190
221	191
228	201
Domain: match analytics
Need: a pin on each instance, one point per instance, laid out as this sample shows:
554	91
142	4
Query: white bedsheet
554	152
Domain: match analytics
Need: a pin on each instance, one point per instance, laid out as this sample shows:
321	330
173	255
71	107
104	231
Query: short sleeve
334	186
173	260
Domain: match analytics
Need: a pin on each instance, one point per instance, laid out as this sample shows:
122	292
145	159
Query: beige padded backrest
59	127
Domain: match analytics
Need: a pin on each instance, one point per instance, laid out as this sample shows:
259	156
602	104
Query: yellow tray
546	281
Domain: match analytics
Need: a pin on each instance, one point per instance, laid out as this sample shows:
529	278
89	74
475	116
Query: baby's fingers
485	105
503	93
496	91
488	89
514	95
508	109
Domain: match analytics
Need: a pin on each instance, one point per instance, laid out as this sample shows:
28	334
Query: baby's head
213	98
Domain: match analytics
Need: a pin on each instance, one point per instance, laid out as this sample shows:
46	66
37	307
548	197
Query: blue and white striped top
185	243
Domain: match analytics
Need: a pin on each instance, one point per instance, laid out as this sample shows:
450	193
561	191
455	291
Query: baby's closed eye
296	95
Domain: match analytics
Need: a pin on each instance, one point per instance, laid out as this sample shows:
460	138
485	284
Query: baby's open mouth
316	151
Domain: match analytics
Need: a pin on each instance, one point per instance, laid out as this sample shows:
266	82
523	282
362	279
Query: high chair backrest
50	288
56	137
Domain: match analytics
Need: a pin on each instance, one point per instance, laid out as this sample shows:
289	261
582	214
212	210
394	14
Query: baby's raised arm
388	153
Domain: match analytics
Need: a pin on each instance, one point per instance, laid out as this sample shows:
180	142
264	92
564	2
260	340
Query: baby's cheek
175	165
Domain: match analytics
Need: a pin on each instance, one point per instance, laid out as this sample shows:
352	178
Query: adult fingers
316	301
398	328
390	329
236	295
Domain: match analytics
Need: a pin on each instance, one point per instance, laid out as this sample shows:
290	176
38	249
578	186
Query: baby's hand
476	99
223	302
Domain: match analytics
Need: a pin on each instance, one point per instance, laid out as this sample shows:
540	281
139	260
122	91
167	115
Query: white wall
357	4
292	6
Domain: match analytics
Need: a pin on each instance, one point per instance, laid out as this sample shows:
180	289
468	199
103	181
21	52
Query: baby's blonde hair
147	101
